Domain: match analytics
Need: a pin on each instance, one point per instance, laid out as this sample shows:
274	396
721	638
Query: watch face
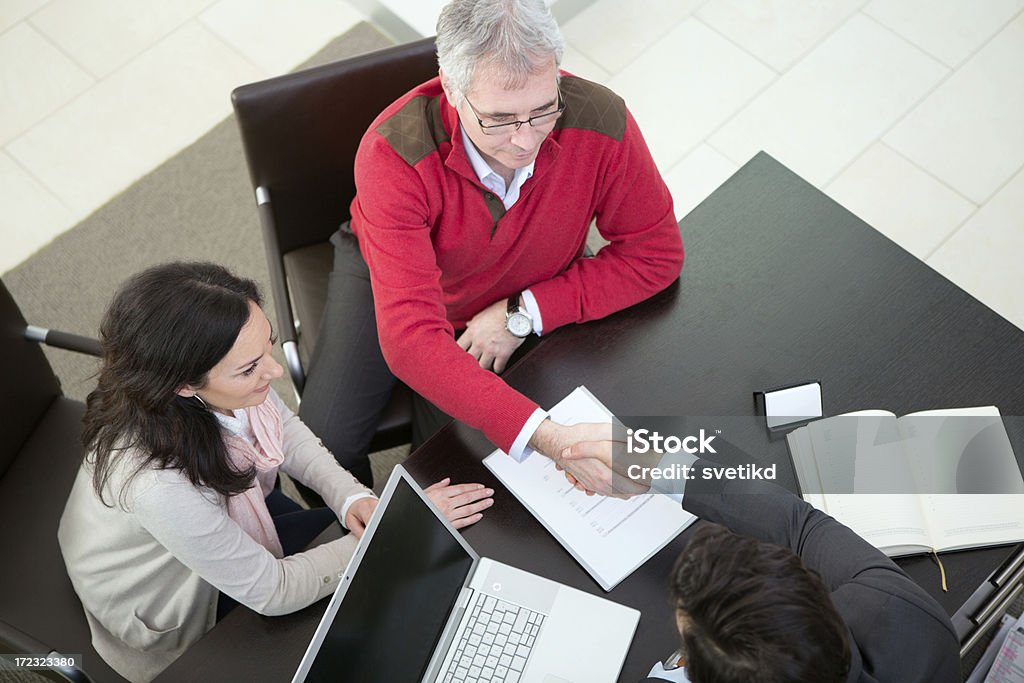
519	325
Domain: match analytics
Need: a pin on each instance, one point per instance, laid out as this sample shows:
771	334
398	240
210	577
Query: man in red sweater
475	192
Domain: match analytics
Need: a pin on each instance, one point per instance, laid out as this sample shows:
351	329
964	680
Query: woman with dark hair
174	516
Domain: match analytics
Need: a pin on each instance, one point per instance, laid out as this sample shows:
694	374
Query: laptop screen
395	608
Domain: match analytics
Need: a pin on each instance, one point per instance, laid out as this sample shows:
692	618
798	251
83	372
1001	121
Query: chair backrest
300	132
40	453
29	383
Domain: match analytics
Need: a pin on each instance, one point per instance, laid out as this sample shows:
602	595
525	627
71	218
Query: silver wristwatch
517	321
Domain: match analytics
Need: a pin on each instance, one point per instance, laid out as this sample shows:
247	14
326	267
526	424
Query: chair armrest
279	290
64	340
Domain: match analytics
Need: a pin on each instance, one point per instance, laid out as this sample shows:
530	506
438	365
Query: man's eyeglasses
538	121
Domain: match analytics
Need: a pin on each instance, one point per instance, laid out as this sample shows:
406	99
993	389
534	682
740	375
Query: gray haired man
475	192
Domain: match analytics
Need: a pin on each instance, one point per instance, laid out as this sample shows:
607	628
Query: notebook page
892	523
961	450
968	520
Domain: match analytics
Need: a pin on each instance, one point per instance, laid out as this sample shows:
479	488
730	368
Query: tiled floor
96	93
908	112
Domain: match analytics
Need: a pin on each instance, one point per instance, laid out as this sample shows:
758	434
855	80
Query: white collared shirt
491	180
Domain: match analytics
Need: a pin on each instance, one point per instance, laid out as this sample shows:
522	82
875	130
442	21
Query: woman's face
242	378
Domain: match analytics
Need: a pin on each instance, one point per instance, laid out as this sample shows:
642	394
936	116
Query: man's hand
461	504
585	452
608	458
359	514
487	339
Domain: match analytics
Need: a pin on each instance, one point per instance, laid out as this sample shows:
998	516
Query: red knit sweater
440	246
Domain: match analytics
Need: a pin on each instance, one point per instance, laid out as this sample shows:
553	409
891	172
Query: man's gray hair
516	36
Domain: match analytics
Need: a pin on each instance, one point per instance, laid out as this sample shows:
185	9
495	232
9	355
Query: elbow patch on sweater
589	106
415	130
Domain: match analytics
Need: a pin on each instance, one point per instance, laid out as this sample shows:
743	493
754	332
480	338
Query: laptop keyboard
495	644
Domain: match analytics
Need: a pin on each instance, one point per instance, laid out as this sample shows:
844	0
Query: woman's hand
462	504
359	514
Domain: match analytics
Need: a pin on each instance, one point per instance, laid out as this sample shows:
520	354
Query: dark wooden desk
780	284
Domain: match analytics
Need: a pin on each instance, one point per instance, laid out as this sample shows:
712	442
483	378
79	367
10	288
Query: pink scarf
249	509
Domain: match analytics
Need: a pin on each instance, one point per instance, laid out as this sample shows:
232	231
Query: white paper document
1008	666
981	669
610	537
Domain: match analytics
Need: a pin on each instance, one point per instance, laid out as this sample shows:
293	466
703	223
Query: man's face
507	149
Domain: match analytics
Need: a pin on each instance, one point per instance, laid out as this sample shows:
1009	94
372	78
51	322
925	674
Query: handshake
592	460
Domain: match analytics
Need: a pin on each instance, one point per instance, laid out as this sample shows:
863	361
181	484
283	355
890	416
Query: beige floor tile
277	36
103	35
969	132
777	31
949	30
420	15
984	256
13	11
685	86
35	80
615	32
32	216
696	176
903	202
826	110
576	62
134	120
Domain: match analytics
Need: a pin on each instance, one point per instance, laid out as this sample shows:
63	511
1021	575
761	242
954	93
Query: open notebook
928	481
610	537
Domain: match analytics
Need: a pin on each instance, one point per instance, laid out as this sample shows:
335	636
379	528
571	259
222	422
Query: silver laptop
417	604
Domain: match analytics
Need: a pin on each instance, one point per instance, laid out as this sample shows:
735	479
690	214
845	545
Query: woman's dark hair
167	327
753	613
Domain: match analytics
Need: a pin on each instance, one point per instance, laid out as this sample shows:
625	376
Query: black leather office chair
300	133
40	452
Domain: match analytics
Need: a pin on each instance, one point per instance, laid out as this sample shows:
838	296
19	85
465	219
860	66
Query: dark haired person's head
172	333
751	612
